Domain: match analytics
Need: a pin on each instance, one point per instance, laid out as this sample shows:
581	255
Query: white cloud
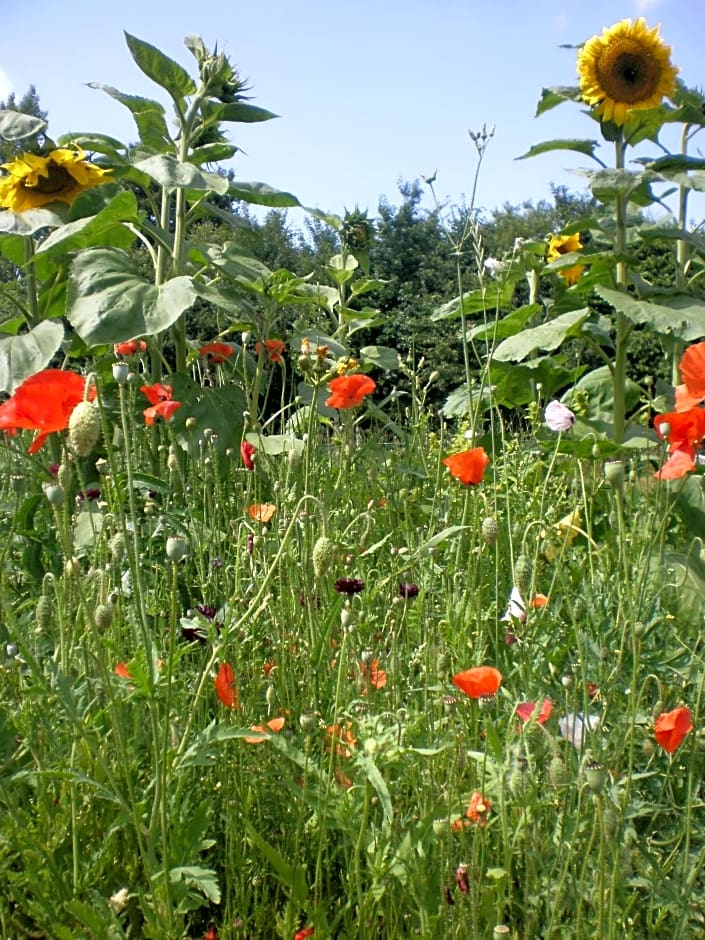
5	85
644	6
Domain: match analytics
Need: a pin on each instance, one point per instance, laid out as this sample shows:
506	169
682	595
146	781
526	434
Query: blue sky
368	93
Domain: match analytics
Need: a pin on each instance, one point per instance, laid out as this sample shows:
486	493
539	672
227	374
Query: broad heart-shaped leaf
579	146
548	336
515	384
493	297
260	194
551	97
599	386
172	174
29	222
678	315
23	355
513	323
148	115
276	444
14	125
690	501
679	579
160	68
108	301
219	408
606	185
105	228
381	356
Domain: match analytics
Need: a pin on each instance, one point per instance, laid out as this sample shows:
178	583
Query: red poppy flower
122	671
527	709
162	404
670	728
478	681
468	466
262	512
692	367
348	391
276	724
343	737
247	452
273	348
225	687
130	347
374	677
216	352
304	933
44	403
678	464
684	431
478	809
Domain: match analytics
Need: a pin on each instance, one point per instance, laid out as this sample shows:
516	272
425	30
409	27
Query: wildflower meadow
292	649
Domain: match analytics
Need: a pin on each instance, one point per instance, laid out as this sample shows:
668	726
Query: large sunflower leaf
99	229
108	301
219	409
29	222
260	194
547	336
491	298
14	125
678	315
579	146
513	323
172	174
23	355
148	115
552	97
160	68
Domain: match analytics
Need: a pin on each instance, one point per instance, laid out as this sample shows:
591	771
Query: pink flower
558	417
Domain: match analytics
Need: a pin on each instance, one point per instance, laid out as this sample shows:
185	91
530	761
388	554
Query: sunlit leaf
23	355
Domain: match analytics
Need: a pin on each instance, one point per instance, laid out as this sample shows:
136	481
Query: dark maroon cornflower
408	591
207	611
192	632
53	469
91	494
349	586
217	563
250	543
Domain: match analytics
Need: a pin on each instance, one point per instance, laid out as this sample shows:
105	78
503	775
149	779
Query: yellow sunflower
626	68
34	181
559	245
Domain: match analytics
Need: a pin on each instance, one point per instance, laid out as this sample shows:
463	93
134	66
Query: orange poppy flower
304	933
684	431
670	728
225	687
348	391
478	682
526	710
273	348
262	512
468	466
44	403
374	677
276	724
162	404
122	671
478	809
343	737
216	352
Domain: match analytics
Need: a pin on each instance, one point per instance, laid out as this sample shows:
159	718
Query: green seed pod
557	772
322	556
44	612
103	616
523	574
595	776
84	428
489	530
116	545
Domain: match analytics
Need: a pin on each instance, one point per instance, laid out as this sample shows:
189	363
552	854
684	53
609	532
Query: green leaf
97	230
148	115
515	384
547	336
607	185
14	125
260	194
378	783
160	68
599	386
579	146
87	527
513	323
236	111
96	143
690	502
487	299
679	315
29	222
23	355
172	174
204	879
381	356
219	408
109	301
293	876
551	97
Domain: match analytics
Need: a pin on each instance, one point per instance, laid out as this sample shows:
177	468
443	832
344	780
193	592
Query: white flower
516	609
118	901
518	243
493	266
558	417
574	726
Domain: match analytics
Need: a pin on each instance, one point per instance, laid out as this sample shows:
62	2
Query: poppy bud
523	574
43	612
557	772
103	616
489	530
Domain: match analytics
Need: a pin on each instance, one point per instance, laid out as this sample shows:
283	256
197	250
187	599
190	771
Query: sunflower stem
32	313
623	325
